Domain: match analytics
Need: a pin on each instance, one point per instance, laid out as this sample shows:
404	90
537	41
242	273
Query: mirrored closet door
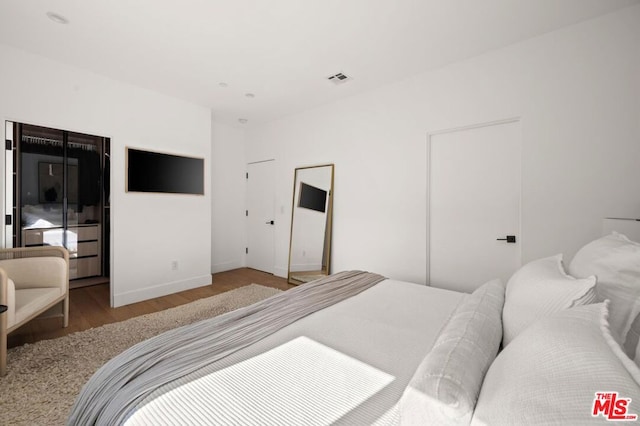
59	196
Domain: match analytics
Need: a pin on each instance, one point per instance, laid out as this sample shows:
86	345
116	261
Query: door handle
509	239
270	222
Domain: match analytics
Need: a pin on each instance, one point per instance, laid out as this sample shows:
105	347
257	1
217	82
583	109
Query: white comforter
346	364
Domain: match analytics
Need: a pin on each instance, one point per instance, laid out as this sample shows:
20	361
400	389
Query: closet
60	193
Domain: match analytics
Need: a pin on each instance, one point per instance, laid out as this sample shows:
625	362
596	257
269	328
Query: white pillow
550	373
615	260
445	387
537	290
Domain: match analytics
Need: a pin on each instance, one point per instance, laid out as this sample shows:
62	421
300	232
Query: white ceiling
280	50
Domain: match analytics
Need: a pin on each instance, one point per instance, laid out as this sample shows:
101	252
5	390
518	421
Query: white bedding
39	216
323	369
370	358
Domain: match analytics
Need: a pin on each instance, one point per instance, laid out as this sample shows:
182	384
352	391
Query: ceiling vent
339	78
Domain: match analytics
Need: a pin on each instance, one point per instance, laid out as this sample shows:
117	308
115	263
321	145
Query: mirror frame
326	270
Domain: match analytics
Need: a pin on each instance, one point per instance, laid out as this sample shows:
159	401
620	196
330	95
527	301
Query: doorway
57	186
260	214
474	205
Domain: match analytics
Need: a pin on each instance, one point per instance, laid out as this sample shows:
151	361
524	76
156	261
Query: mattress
346	364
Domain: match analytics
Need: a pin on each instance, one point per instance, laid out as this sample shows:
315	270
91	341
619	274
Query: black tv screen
155	172
312	198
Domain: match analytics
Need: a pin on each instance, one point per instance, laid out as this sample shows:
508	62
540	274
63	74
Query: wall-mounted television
312	198
149	171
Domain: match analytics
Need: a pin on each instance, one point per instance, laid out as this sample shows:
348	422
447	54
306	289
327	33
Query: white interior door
474	205
261	215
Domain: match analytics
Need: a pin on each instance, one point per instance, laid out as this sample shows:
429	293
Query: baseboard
160	290
281	272
226	266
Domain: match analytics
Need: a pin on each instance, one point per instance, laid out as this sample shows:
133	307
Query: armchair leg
65	308
3	350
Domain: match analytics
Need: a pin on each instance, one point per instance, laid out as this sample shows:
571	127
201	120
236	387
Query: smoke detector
339	78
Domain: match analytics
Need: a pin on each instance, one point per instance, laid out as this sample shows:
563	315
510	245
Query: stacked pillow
558	347
537	290
615	261
542	287
556	359
551	373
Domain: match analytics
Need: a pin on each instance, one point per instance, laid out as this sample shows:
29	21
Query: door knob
509	239
270	222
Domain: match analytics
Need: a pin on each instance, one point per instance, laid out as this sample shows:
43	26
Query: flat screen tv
312	198
156	172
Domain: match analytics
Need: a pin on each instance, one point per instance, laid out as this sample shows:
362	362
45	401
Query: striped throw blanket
111	395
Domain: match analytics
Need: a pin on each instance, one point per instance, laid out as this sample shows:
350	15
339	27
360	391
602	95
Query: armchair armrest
38	272
4	283
22	252
36	267
7	299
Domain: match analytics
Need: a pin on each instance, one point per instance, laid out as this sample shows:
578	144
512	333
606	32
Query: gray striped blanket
111	395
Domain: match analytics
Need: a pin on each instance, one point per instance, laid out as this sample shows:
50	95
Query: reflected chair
32	280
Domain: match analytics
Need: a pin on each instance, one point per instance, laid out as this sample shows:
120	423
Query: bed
41	216
356	348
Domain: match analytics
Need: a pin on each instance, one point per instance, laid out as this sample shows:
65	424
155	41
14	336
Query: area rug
44	378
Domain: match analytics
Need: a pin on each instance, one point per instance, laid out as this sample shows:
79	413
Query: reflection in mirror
310	249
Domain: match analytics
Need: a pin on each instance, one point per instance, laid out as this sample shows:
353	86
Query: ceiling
281	51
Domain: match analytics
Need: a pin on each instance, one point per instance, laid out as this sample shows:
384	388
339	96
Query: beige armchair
32	280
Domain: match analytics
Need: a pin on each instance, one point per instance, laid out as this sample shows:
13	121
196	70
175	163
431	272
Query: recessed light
57	18
222	84
242	120
250	95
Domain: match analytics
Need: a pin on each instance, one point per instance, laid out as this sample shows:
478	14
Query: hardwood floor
89	306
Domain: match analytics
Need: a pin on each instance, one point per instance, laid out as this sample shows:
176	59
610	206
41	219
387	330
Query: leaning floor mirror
310	247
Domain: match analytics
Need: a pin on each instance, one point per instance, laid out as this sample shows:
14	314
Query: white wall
228	221
149	231
577	91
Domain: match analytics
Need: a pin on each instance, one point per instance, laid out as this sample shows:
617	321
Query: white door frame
6	171
458	129
7	195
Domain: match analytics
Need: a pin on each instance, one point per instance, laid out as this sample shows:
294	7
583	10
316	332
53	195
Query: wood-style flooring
89	306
